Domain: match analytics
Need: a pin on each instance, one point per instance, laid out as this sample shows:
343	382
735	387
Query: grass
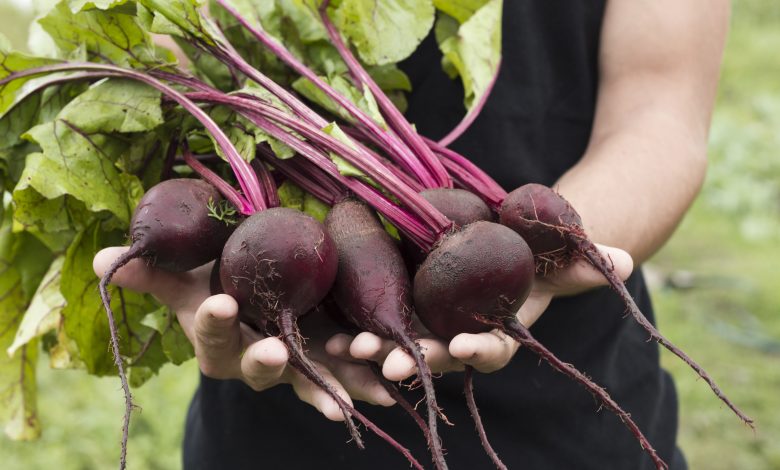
727	320
718	299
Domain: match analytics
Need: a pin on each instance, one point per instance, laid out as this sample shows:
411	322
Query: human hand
228	349
486	352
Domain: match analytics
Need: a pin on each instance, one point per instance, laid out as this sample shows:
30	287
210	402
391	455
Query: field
715	288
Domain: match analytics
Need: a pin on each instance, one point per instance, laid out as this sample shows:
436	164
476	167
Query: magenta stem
405	157
243	171
222	186
437	223
395	119
471	116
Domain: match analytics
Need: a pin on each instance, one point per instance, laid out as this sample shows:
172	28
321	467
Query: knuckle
213	371
211	340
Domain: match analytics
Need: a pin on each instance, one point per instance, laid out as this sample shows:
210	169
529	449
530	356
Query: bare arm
646	160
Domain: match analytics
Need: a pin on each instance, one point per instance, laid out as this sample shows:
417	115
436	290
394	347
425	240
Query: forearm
658	67
634	185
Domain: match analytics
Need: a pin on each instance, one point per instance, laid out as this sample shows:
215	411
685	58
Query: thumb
582	275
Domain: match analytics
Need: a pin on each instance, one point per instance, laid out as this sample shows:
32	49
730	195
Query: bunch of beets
469	252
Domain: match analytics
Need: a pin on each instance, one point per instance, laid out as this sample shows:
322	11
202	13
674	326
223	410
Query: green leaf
115	105
291	195
305	17
185	14
82	166
79	5
107	35
345	168
43	314
389	77
32	106
385	31
364	101
64	354
85	320
11	62
18	408
53	221
315	208
175	345
461	10
473	50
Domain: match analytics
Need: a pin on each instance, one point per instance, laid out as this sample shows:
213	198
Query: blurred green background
716	288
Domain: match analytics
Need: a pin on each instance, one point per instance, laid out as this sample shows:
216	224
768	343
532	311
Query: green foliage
472	49
385	31
113	36
22	264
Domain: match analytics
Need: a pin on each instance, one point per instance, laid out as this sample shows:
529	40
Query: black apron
534	127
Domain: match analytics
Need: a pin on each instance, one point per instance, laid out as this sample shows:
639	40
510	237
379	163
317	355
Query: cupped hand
486	352
225	348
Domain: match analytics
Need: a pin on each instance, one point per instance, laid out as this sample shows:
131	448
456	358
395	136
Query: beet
460	206
171	228
463	208
485	270
476	280
555	233
373	291
279	264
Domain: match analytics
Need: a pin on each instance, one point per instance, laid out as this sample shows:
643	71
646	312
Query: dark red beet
278	265
460	206
476	280
485	270
463	208
172	229
372	289
277	260
556	236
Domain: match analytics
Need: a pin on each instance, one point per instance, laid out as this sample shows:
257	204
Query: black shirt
534	127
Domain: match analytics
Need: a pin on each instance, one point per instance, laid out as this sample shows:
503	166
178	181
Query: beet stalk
372	289
172	229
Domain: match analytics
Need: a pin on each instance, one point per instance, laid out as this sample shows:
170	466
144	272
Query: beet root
279	264
475	281
172	229
460	206
463	208
373	291
555	233
484	270
468	390
520	333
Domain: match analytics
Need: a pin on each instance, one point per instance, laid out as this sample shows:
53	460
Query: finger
371	347
361	383
217	337
139	276
533	307
399	365
582	275
486	352
312	394
263	363
338	346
